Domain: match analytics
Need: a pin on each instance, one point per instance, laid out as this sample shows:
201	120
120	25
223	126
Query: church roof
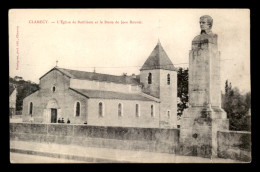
158	59
83	75
110	95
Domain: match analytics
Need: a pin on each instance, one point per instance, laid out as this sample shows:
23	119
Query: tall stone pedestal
201	121
198	134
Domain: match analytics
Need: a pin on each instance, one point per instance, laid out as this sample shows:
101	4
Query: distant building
145	100
12	100
18	78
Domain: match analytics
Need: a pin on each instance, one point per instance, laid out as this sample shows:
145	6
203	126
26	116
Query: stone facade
167	93
63	99
128	117
62	89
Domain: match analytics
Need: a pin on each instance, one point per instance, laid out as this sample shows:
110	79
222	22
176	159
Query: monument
204	117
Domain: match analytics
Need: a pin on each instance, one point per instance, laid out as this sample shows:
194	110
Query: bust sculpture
206	35
206	23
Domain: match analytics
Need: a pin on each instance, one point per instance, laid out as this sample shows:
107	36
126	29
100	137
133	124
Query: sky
84	39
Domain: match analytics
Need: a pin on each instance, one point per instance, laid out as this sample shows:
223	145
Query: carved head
206	23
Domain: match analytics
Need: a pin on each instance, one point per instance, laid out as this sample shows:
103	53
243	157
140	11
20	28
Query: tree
236	107
182	86
226	87
248	99
24	88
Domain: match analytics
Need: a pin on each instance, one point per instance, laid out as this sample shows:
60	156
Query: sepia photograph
129	85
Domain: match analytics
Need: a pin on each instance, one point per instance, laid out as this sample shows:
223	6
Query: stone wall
234	145
145	139
231	144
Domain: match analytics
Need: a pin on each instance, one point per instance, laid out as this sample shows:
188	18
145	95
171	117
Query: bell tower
158	77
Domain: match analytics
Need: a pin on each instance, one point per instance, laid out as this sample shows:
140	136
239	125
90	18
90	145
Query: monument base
198	132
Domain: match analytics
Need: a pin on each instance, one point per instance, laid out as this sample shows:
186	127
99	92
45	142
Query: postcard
129	85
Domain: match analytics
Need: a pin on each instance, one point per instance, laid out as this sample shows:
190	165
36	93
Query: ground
34	152
25	158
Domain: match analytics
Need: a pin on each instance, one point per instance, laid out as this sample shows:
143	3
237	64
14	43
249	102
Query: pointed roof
158	59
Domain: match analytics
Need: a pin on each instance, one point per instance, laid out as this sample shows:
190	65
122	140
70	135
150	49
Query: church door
53	115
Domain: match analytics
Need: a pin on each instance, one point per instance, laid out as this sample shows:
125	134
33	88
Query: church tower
158	77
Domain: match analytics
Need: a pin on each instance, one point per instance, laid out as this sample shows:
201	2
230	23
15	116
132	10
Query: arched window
100	109
149	78
168	79
152	113
31	108
77	109
137	114
119	109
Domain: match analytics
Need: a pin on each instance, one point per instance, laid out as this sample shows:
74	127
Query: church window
152	111
149	78
31	108
119	109
100	109
53	89
168	79
77	109
137	113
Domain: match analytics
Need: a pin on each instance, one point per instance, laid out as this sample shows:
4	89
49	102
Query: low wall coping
238	132
93	125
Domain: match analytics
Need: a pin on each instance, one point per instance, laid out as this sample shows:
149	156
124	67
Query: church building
148	100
